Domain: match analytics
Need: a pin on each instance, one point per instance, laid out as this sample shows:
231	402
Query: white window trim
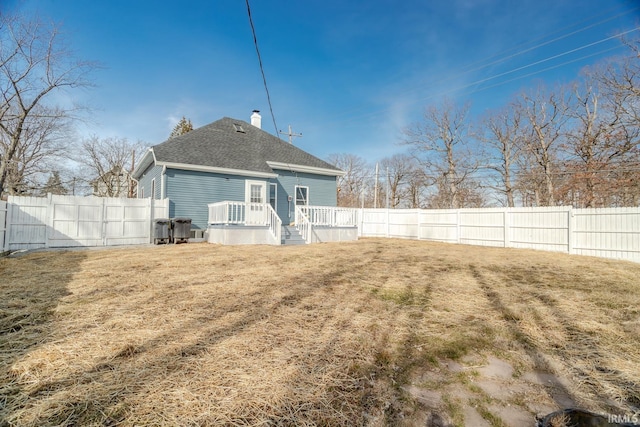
247	190
275	202
295	193
153	188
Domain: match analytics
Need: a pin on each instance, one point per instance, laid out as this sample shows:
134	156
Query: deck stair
291	236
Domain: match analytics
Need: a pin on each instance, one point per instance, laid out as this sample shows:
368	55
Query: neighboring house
115	183
231	160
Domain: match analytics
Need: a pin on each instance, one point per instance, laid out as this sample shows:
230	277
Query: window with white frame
273	195
302	195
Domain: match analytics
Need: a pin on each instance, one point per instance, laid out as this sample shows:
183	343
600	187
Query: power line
481	64
478	65
264	79
529	49
374	113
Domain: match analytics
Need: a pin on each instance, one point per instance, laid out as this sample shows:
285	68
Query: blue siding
190	192
322	191
146	178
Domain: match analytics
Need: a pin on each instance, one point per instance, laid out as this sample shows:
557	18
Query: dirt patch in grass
375	332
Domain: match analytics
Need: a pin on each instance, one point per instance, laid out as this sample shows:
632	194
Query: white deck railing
241	213
308	217
303	225
330	216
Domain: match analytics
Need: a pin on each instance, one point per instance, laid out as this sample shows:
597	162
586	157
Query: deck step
291	236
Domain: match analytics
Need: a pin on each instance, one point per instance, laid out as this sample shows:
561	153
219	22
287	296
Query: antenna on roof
291	134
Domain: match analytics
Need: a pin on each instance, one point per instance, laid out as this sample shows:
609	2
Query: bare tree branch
34	64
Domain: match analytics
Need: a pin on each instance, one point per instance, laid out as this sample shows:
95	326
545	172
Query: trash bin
161	231
181	228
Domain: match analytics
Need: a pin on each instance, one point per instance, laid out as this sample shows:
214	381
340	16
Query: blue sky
349	75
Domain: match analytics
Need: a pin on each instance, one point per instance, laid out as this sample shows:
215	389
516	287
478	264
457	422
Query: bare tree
400	168
34	66
108	164
501	134
440	143
415	189
353	183
591	144
619	82
546	114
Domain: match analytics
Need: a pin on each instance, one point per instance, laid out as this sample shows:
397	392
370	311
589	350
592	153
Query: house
116	182
234	180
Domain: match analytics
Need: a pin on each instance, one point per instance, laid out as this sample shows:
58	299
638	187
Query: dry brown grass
326	334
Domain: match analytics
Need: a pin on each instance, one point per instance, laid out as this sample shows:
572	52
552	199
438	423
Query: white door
255	198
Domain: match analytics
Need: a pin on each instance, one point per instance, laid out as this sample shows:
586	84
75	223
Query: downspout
163	181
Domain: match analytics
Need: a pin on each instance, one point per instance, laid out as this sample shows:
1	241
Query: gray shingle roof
220	145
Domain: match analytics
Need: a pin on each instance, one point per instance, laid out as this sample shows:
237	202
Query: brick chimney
256	119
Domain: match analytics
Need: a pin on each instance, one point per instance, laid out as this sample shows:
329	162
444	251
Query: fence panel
483	227
75	221
26	222
373	222
66	221
127	222
543	228
403	223
439	224
160	208
608	233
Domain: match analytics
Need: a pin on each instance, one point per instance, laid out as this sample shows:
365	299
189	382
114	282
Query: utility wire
539	45
264	79
499	58
514	70
478	65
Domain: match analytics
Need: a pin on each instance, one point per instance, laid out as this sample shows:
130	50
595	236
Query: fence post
103	222
49	224
458	226
388	220
151	218
507	241
7	225
570	229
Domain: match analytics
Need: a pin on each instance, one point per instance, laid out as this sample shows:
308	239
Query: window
273	192
238	128
256	193
302	195
153	188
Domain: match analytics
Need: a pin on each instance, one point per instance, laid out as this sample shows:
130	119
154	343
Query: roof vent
256	119
238	128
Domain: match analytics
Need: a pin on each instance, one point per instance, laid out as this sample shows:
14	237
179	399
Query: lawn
375	332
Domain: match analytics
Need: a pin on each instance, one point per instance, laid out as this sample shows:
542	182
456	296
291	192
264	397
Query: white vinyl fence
65	221
607	233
